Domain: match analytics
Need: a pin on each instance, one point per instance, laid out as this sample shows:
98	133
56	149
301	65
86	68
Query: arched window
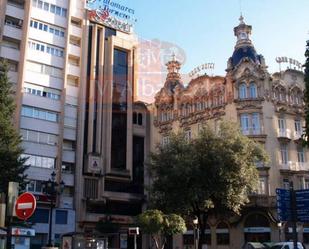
243	91
257	228
140	119
253	90
223	235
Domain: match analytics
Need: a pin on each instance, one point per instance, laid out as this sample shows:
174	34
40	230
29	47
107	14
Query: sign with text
284	205
112	14
302	205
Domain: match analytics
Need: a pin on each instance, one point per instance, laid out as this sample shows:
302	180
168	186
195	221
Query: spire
241	19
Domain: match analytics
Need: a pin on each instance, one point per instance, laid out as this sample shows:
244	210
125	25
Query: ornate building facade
268	108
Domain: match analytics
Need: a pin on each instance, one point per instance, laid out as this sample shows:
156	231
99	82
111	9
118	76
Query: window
76	22
281	124
188	135
262	186
35	186
61	217
46	48
306	185
72	81
40	216
50	8
284	153
33	112
253	90
222	233
298	128
286	184
58	31
244	123
134	118
256	123
165	140
44	69
39	137
243	91
39	161
68	145
140	119
68	167
42	91
300	155
119	110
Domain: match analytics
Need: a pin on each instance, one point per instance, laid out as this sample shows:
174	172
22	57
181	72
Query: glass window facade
119	110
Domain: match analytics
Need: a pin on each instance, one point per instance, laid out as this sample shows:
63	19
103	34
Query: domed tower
244	49
173	77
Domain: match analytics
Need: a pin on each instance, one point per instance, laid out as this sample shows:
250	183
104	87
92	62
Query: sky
203	29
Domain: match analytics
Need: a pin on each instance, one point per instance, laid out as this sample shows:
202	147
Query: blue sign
302	205
284	205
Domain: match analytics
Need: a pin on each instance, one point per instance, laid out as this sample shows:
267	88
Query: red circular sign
25	206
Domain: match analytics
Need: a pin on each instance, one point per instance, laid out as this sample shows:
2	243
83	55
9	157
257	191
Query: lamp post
51	188
279	224
195	232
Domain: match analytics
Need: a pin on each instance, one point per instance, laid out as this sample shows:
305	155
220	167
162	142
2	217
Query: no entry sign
25	206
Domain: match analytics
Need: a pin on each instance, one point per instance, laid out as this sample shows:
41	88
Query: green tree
306	96
213	173
11	164
159	225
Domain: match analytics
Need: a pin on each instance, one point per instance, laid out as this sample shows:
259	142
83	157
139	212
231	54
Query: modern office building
73	72
269	109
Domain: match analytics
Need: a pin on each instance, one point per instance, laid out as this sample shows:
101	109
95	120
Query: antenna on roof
240	7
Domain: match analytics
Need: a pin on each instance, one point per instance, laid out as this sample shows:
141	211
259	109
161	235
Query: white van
287	245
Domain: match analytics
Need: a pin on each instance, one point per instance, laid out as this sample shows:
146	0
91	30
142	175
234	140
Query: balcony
294	166
9	53
297	135
257	200
15	10
74	50
74	70
77	31
12	31
284	133
301	166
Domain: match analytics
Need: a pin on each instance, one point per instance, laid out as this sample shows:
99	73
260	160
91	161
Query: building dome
244	52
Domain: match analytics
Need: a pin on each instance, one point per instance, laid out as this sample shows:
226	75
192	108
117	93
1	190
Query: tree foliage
11	164
159	225
306	96
213	172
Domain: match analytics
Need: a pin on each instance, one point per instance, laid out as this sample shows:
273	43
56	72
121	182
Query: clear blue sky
204	28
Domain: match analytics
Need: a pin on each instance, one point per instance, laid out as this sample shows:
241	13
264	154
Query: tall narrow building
72	65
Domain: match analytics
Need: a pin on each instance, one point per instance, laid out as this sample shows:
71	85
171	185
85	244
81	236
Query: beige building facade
73	70
269	109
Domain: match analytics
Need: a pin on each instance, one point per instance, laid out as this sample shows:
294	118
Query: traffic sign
284	204
25	206
302	205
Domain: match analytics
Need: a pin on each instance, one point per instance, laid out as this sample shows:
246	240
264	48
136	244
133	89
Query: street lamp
51	188
195	232
279	224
